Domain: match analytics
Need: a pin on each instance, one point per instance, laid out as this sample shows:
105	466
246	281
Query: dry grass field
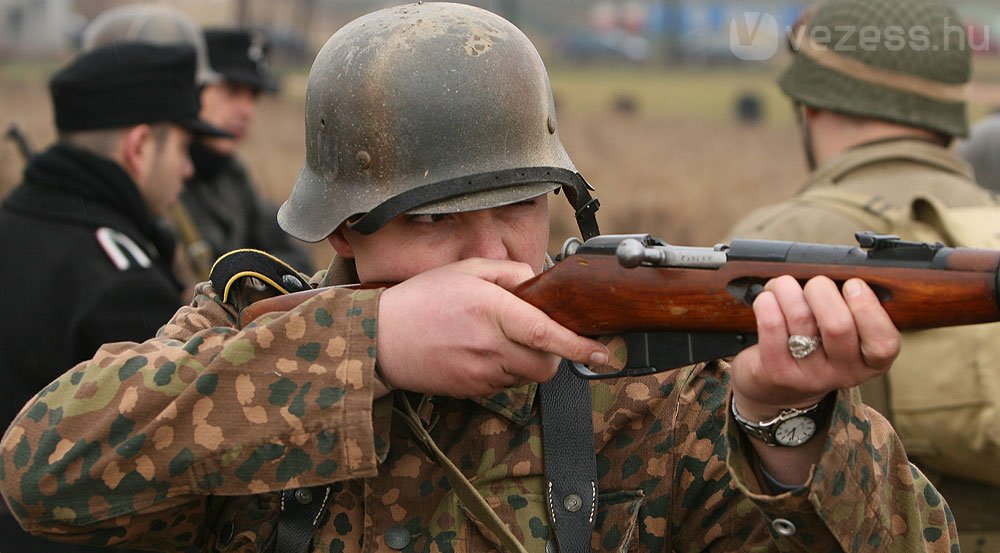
679	166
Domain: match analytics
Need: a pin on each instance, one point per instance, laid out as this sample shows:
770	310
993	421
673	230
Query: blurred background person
86	261
982	152
221	209
877	124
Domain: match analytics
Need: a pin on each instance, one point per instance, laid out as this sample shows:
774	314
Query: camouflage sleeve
126	448
864	495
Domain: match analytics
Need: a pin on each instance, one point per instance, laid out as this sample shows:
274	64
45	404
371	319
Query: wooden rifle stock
640	286
595	295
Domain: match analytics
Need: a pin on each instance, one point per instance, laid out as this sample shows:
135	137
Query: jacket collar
513	404
910	150
66	183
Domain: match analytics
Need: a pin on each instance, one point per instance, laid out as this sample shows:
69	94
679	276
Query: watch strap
765	430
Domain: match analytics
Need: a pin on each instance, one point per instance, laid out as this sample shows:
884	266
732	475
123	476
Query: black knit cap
241	56
129	83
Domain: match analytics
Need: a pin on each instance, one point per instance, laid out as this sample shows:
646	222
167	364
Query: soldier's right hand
456	331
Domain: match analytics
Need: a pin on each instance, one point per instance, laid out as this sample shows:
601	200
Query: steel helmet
425	108
153	23
903	61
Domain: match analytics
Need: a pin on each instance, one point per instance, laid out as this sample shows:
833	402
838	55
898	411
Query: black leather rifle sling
569	458
302	511
568	451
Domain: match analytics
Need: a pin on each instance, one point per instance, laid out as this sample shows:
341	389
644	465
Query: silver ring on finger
803	346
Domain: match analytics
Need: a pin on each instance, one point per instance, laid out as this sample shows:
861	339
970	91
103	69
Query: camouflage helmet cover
903	61
413	108
154	24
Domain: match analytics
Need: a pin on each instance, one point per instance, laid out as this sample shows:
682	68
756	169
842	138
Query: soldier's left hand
859	342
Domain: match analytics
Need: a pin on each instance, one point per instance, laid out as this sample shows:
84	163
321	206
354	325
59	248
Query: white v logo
746	35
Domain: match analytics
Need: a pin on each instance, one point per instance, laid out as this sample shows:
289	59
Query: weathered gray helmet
152	23
982	151
902	61
424	108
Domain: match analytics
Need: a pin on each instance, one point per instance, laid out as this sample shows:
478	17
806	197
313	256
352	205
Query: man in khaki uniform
877	121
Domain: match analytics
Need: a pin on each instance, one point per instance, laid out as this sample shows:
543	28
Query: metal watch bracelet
765	430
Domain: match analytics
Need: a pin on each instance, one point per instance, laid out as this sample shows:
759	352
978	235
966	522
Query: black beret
129	83
241	56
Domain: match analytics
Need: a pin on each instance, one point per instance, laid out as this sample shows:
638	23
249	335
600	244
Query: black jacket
223	203
84	264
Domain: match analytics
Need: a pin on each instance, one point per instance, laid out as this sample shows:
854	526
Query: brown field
679	167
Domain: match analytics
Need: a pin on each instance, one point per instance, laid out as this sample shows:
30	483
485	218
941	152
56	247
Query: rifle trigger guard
654	352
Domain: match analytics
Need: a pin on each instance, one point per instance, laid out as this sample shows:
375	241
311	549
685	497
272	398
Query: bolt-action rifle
20	140
675	306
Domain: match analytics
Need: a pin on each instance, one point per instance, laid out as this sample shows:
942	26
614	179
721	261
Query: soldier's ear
137	152
340	243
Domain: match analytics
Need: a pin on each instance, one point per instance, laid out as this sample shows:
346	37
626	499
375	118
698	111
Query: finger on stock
771	329
798	315
527	325
879	338
835	321
523	364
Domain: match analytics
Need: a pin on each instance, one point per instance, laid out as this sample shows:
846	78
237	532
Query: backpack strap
965	227
870	212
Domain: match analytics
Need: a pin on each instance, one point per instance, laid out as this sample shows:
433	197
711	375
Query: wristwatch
792	427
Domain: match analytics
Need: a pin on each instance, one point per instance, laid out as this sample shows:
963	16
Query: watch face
795	431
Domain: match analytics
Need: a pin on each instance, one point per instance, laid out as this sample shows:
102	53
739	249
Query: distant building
37	27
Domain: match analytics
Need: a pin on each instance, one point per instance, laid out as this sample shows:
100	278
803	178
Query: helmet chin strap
584	205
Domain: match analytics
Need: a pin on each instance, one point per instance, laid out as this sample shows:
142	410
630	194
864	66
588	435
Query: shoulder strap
568	455
194	246
466	492
872	212
925	218
967	227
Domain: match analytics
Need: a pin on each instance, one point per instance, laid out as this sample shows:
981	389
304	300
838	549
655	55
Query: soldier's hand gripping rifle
676	306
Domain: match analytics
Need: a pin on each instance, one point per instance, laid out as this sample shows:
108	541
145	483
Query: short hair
104	142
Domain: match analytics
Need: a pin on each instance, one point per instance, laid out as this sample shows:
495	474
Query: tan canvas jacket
944	389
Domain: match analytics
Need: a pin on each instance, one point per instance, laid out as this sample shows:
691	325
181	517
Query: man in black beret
86	257
222	210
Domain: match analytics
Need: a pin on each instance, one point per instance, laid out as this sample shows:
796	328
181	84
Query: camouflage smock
181	443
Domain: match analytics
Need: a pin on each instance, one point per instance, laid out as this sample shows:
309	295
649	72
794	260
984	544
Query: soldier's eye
429	219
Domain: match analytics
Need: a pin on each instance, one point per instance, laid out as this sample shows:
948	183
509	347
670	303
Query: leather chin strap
585	206
576	188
